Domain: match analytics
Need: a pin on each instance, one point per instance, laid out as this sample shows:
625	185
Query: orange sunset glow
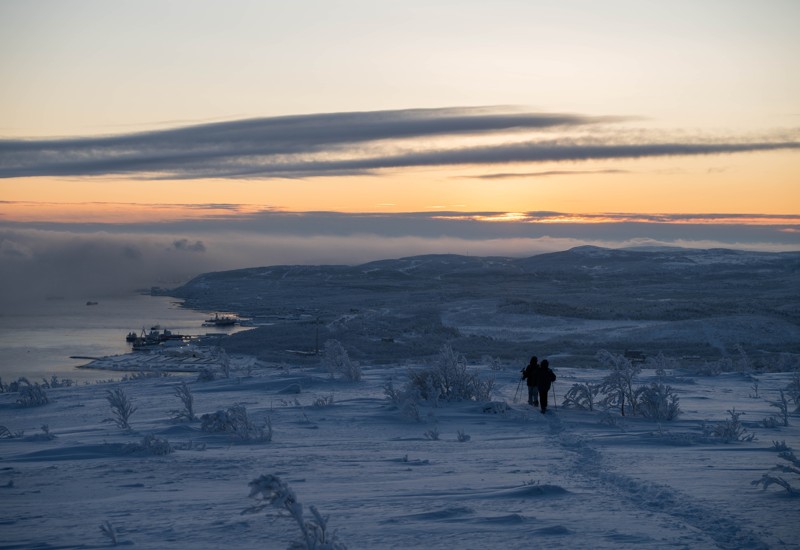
403	129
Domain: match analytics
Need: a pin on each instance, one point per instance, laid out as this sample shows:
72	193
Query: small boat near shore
221	321
154	338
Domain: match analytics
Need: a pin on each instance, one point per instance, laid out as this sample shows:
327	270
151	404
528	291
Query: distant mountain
703	302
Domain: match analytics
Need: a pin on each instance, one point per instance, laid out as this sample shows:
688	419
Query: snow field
563	480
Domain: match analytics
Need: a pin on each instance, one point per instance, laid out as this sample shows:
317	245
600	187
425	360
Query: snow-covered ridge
698	302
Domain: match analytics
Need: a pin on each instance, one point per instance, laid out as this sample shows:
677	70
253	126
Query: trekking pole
555	399
517	392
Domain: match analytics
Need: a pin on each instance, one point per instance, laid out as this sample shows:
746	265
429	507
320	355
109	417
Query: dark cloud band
344	144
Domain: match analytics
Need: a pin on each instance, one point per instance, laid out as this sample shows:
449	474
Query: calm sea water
39	341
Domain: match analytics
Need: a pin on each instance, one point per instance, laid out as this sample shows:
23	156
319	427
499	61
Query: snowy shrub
224	362
54	382
732	429
144	374
661	364
432	434
150	445
5	433
714	368
496	407
610	420
405	399
206	375
121	407
770	422
235	421
744	364
270	490
183	393
793	390
658	402
792	468
323	401
782	404
46	434
618	384
450	380
32	395
110	533
581	396
492	362
463	437
336	361
780	446
15	386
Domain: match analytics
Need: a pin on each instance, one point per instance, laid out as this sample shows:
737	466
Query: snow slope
568	479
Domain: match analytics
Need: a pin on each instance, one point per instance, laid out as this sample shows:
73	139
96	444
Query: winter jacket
530	374
544	378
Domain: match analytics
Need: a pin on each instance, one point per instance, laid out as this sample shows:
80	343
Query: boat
91	303
223	321
148	340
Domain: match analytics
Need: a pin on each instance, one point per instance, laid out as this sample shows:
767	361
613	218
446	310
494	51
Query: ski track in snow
659	499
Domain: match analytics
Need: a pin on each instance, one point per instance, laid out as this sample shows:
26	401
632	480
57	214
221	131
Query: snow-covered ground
493	478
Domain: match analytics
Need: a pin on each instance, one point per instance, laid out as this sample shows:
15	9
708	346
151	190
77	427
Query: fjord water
39	340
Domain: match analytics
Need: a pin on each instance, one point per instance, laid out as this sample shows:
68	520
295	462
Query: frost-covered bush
658	402
109	532
5	433
770	422
782	404
336	361
54	382
270	490
323	401
618	385
714	368
405	399
450	380
234	421
492	362
793	390
150	445
15	386
661	363
121	407
224	361
144	375
206	375
432	434
792	468
496	407
32	395
462	436
732	429
183	393
45	435
581	396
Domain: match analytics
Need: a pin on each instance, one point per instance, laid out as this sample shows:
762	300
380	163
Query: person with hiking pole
529	374
544	379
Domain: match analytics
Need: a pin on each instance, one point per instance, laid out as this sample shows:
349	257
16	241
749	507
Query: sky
143	143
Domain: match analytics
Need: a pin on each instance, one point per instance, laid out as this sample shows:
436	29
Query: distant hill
697	302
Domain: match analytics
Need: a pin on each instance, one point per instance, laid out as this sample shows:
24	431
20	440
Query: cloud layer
354	143
93	260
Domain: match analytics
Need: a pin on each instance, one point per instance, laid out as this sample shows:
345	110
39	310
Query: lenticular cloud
326	144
